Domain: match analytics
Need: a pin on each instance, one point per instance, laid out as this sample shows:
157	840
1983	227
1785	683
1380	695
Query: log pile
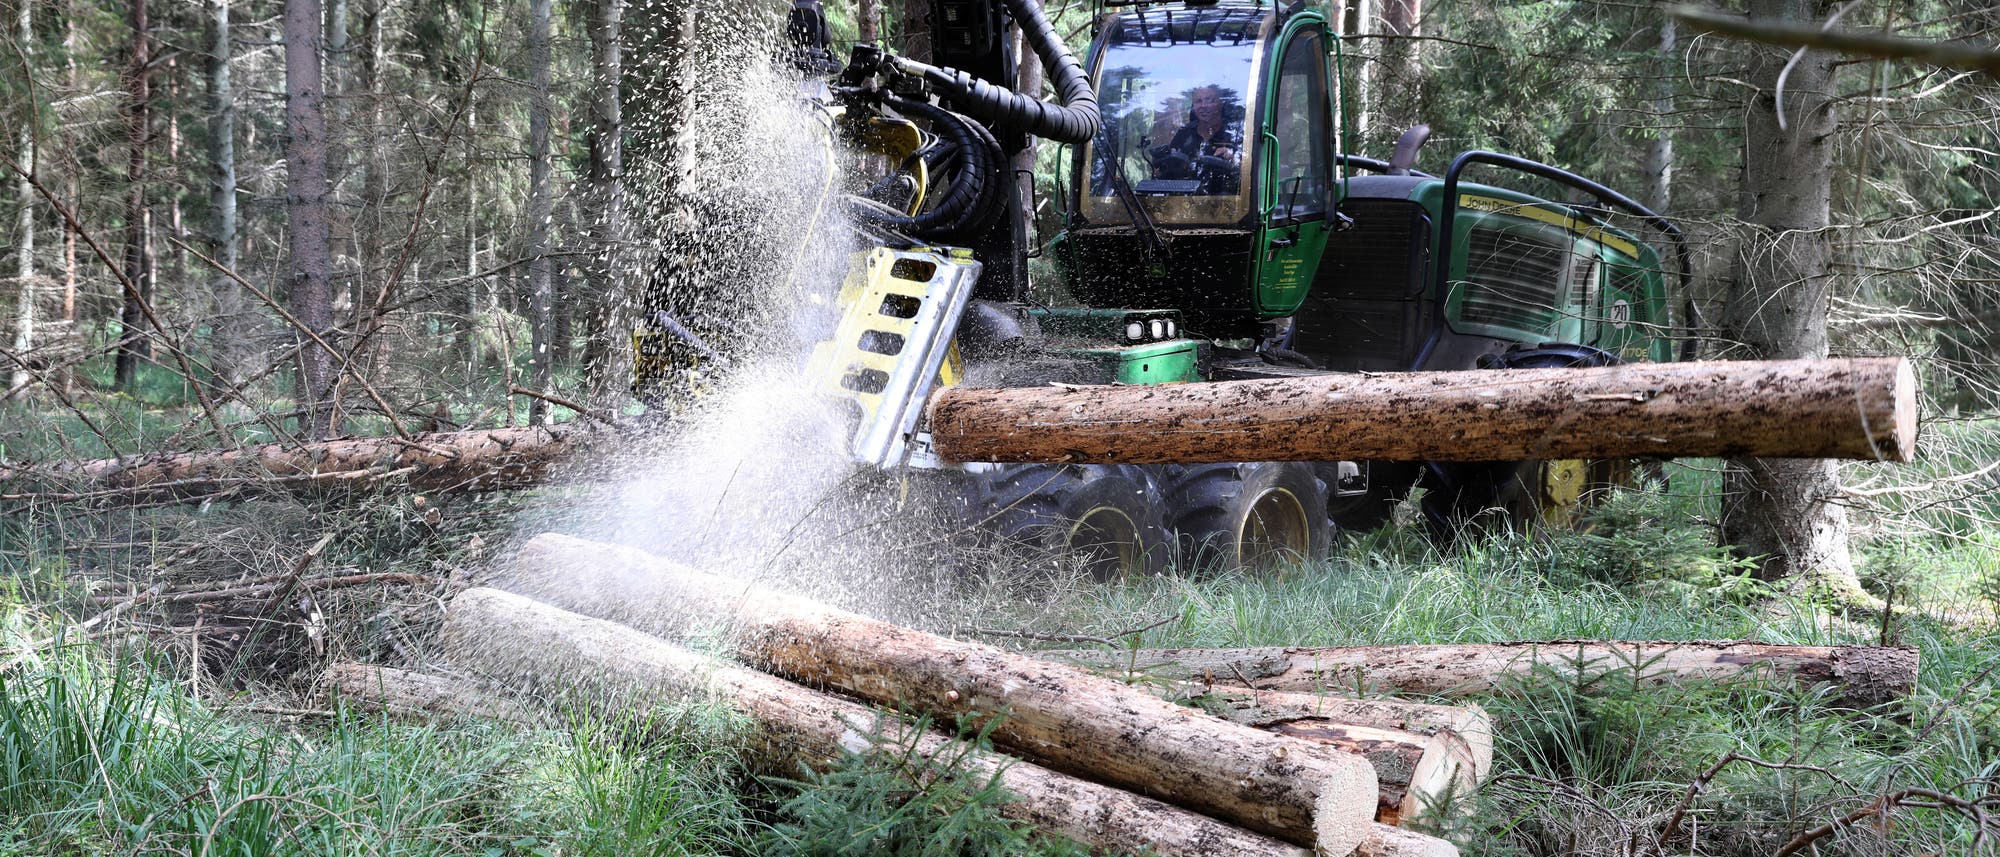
1176	768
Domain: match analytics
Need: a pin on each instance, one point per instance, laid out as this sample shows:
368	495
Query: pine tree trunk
1787	510
132	344
607	188
1660	155
74	190
867	20
309	224
374	195
232	306
541	286
24	220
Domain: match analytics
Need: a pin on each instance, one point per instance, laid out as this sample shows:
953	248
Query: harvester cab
1215	225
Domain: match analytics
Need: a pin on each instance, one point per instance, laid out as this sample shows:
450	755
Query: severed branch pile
1116	766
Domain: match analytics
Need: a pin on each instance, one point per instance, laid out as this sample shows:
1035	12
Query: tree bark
523	644
541	285
1465	729
435	461
1062	717
1787	511
867	23
132	343
1829	408
607	188
407	692
232	306
1660	155
24	218
308	220
1862	675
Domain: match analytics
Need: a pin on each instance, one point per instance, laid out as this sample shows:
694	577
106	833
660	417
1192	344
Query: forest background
281	220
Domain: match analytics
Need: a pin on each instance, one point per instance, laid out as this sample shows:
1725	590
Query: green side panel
1171	362
1528	271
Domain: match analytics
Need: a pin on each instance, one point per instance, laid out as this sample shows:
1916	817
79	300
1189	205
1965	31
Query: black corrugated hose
961	207
1075	120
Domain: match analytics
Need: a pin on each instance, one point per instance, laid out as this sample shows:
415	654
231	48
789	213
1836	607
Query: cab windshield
1178	93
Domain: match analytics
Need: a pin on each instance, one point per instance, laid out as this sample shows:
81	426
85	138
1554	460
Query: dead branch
1946	54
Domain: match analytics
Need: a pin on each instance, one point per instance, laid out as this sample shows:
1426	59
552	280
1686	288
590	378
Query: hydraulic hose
960	206
1075	120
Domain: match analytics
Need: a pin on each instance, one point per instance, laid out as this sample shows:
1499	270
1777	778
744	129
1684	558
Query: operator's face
1207	104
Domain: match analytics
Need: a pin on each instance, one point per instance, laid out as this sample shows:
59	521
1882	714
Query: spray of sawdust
749	474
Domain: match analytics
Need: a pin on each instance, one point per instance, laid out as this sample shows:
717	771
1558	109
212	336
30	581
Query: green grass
105	756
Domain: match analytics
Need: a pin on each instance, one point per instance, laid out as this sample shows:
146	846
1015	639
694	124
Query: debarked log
564	657
1857	408
1861	676
1422	753
433	461
1059	716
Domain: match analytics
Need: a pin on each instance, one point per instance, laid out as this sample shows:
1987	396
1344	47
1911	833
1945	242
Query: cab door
1294	169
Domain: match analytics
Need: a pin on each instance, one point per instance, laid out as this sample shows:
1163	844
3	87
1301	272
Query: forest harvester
1214	226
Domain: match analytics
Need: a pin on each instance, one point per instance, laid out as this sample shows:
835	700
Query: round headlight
1159	328
1171	331
1135	331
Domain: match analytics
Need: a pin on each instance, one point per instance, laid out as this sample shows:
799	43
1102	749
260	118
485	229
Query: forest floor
165	728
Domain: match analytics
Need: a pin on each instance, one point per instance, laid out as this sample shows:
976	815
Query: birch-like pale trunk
232	304
24	219
541	285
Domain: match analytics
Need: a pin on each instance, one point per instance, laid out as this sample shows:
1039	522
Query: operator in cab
1209	148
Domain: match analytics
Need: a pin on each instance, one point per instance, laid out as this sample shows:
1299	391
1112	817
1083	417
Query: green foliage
109	757
1637	540
894	800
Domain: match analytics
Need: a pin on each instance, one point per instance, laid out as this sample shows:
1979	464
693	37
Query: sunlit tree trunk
73	190
232	309
541	285
607	184
374	195
132	344
1660	155
24	217
308	223
1784	509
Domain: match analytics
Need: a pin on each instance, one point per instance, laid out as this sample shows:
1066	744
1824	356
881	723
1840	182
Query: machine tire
1521	496
1388	483
1248	515
1110	514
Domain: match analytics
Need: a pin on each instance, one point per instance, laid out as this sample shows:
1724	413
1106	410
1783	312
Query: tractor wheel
1522	496
1108	516
1252	515
1388	483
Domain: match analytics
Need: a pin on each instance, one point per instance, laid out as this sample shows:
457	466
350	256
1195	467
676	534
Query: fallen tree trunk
1864	408
1862	675
379	688
434	461
1464	726
556	655
1063	717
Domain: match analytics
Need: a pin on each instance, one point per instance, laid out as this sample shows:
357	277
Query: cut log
1465	726
435	461
562	656
1864	408
1862	675
1061	716
407	692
